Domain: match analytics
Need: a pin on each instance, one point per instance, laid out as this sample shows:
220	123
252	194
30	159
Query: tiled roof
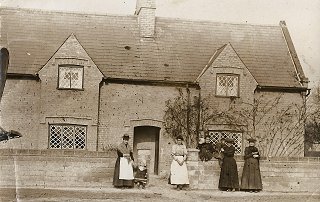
179	51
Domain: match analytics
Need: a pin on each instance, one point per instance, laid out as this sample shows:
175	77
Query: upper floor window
70	77
227	85
67	136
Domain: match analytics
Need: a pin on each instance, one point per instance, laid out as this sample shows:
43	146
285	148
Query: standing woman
123	171
229	180
251	177
178	171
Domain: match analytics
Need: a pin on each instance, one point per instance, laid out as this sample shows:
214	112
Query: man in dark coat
251	177
229	180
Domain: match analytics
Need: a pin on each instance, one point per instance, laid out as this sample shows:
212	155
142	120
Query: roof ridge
64	12
82	13
211	21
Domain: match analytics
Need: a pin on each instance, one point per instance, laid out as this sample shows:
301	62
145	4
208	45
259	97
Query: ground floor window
215	137
67	136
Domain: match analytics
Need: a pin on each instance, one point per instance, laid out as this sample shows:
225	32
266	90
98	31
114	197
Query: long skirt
120	182
179	174
229	174
251	177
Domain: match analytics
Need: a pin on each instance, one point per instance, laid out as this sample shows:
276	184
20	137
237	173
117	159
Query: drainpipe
188	115
98	121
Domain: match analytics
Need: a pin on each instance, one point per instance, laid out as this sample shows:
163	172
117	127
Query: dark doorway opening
146	143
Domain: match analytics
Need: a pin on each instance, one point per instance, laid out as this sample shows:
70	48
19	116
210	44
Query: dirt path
152	194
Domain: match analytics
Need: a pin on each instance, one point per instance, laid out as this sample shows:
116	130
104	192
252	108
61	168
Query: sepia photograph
159	100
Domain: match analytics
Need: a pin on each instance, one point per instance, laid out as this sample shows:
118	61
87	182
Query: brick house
80	81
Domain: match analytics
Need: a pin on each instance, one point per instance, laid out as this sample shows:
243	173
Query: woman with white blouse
178	171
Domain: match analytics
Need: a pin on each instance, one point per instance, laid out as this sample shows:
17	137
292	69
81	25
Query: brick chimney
145	10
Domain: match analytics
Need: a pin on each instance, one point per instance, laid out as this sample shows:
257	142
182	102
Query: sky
302	17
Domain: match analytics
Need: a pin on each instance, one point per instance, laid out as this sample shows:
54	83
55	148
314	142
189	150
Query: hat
207	135
125	136
252	140
229	140
179	137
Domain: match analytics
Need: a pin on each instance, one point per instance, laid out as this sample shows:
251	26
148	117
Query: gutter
151	82
281	89
23	76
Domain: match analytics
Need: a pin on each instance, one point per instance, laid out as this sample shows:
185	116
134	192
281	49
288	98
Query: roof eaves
293	54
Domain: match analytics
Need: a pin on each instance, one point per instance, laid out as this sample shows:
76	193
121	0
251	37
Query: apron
126	171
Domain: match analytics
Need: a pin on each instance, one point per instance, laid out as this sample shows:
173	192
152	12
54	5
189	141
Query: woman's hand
180	162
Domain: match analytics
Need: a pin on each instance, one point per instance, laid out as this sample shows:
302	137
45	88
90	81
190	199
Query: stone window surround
227	74
84	121
70	67
76	145
71	61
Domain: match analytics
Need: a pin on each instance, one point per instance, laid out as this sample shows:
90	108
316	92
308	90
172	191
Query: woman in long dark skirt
251	176
123	176
229	180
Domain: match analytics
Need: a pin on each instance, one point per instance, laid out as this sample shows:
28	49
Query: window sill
223	96
74	89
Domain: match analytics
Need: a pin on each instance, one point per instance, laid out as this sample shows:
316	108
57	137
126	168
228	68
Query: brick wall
70	169
19	110
78	107
123	107
280	131
288	174
276	136
56	168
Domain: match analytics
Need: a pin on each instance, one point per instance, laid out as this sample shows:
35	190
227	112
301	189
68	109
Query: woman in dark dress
229	180
123	176
251	177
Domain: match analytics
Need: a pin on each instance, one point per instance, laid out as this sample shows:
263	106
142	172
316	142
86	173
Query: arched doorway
146	142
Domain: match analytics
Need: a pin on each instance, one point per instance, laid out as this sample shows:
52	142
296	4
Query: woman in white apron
123	171
178	171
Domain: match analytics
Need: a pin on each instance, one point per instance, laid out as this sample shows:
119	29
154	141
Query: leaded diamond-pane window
215	137
70	77
67	137
227	85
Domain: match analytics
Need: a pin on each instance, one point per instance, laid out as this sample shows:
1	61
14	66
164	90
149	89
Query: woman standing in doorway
229	180
251	177
178	171
123	171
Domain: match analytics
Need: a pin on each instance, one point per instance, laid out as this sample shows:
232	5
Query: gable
178	52
71	50
228	58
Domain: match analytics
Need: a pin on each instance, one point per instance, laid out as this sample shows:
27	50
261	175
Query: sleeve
212	148
258	153
173	150
247	153
131	155
120	154
185	152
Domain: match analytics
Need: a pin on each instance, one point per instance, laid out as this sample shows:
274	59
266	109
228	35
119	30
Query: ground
149	194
